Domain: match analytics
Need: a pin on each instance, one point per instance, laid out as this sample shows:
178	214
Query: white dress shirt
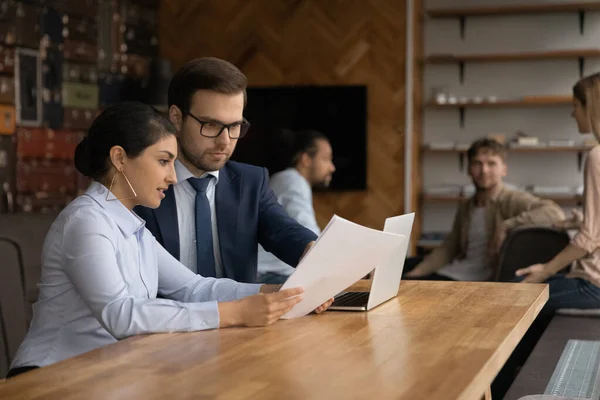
185	197
101	272
294	193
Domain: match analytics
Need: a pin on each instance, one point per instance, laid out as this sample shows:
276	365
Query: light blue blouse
101	272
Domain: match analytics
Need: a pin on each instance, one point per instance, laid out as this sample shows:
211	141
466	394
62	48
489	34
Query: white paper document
344	253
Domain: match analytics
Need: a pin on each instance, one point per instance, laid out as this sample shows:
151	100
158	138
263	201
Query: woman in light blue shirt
102	269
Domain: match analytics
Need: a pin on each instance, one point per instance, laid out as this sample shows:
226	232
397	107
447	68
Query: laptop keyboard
352	299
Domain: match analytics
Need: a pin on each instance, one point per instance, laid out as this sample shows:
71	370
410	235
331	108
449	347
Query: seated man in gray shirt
310	165
470	251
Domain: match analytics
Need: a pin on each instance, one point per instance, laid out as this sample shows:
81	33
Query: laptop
386	279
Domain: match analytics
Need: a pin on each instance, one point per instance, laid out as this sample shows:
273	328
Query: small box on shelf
450	145
562	143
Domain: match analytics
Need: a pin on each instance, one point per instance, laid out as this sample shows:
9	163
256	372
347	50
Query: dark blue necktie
205	258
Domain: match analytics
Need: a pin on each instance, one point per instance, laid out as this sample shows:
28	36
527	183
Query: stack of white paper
344	253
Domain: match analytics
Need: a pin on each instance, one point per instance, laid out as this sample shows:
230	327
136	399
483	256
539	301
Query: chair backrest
4	359
13	306
529	245
29	232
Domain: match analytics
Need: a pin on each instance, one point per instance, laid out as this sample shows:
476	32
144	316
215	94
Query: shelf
524	102
462	13
462	59
434	198
554	149
453	199
574	149
513	10
567	149
519	56
541	101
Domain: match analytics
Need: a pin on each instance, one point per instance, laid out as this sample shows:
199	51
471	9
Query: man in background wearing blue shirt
310	166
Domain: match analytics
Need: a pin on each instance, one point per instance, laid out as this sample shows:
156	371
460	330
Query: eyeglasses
212	129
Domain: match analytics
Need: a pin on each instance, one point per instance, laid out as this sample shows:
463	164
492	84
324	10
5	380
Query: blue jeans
569	293
572	293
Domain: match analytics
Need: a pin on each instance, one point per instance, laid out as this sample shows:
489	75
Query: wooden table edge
483	379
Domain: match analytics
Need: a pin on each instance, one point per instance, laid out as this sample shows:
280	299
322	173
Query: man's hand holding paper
343	254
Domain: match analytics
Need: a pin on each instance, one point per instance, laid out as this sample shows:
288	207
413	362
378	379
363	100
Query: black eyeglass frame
244	126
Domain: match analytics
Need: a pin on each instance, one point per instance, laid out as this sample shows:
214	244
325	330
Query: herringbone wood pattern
312	42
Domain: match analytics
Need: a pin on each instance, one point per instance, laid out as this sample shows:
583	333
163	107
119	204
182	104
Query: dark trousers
411	262
515	362
19	370
571	293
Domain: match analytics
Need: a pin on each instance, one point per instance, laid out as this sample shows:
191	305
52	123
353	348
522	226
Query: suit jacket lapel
166	216
227	197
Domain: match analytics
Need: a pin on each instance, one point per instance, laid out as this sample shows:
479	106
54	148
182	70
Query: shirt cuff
510	223
203	315
247	289
585	242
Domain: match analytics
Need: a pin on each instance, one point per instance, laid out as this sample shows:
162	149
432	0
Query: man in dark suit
219	211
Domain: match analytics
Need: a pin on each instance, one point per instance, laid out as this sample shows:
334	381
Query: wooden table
436	340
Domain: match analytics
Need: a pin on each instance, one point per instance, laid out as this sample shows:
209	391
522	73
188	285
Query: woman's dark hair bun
131	124
83	157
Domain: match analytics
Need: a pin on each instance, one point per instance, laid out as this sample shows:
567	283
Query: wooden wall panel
417	120
330	42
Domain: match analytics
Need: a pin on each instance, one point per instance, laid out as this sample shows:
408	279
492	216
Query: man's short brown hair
206	73
486	145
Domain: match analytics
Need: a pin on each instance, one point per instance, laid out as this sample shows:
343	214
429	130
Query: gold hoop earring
112	182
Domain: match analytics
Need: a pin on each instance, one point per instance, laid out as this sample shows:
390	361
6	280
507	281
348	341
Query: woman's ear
176	117
117	157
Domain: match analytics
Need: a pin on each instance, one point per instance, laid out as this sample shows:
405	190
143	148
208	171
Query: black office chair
529	245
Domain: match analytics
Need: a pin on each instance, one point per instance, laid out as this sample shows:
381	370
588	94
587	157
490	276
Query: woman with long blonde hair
580	287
